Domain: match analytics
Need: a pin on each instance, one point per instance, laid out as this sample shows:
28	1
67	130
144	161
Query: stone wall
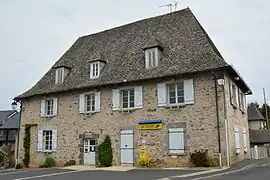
199	121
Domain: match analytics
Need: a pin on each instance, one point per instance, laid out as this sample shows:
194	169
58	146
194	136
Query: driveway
61	174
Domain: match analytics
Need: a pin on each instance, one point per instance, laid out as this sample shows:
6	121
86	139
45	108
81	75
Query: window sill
173	106
177	154
49	116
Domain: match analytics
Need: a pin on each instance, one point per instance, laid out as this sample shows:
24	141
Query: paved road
60	174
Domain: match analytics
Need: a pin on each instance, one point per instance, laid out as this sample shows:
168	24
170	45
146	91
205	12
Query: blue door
90	151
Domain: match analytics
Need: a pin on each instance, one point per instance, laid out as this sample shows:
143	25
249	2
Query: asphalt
60	174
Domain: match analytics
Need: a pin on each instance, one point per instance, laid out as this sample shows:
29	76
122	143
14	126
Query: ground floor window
176	141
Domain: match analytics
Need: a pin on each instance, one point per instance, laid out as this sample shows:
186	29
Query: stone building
158	83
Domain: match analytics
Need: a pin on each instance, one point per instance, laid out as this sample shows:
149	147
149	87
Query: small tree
105	155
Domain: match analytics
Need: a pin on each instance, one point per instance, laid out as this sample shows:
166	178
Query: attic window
151	57
94	69
59	75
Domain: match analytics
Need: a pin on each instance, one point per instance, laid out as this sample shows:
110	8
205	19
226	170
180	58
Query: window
47	139
90	102
176	93
236	140
49	107
151	57
1	132
94	70
245	140
127	97
242	101
234	95
59	75
176	141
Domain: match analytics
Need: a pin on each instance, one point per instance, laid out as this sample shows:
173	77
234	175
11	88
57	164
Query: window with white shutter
48	107
115	99
233	94
40	141
89	102
176	141
245	142
237	140
175	94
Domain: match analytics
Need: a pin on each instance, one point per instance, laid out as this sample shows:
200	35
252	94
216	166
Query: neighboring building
259	135
159	69
9	125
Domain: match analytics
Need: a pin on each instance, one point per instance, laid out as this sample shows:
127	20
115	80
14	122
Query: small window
90	102
59	75
94	70
49	107
176	93
151	57
176	141
47	139
127	98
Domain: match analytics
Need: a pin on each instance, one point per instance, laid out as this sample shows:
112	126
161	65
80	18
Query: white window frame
51	106
92	98
50	141
1	132
176	93
59	75
94	69
151	57
129	102
181	135
237	140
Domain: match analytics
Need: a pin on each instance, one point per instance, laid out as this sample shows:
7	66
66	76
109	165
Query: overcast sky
35	33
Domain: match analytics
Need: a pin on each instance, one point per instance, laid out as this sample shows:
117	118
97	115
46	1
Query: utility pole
266	111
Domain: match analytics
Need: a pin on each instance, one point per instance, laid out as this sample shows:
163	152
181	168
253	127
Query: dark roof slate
254	113
9	119
186	49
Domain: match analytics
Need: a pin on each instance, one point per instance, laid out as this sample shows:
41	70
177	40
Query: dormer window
60	74
151	57
94	69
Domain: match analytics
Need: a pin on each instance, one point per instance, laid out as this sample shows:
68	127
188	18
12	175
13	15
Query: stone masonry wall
199	121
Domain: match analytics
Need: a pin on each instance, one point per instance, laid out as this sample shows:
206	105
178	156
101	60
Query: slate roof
11	122
259	136
186	49
254	113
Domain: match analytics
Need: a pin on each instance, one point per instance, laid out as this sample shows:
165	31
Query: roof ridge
137	21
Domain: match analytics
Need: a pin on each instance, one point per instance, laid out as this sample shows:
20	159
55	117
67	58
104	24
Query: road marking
21	171
46	175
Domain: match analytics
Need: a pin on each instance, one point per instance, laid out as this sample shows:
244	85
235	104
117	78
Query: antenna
171	5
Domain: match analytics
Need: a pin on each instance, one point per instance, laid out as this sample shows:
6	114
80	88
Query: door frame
89	140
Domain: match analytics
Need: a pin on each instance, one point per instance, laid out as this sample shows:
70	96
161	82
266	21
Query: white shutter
237	140
115	99
40	140
146	54
244	103
138	97
245	140
231	92
81	103
236	96
176	141
189	91
91	71
42	108
54	140
161	94
97	101
55	106
56	76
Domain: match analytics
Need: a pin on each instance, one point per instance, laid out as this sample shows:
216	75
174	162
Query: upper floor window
127	98
59	75
94	70
176	94
151	57
234	94
48	107
89	102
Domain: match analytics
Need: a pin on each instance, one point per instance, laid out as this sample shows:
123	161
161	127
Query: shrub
26	145
49	162
18	166
201	158
105	155
144	159
70	163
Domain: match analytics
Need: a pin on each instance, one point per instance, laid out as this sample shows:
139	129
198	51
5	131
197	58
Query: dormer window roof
152	52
